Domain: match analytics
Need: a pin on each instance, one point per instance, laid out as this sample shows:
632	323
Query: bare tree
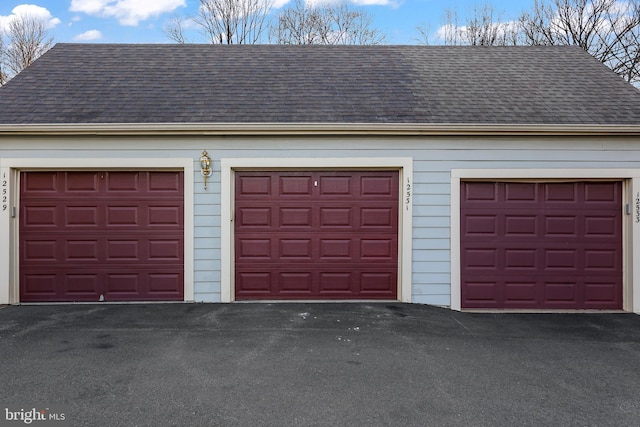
174	29
3	76
482	27
27	38
424	32
340	24
607	29
226	21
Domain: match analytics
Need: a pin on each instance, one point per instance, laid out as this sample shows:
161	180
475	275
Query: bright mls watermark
34	415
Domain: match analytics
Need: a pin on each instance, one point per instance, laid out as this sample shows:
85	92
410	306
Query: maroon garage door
316	235
118	235
541	245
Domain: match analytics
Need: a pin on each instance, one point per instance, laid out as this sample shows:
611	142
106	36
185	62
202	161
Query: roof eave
391	129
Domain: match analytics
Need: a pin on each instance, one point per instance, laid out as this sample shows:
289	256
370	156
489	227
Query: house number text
4	192
407	194
637	208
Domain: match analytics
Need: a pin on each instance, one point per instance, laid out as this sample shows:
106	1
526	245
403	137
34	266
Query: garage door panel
602	260
374	283
521	293
560	192
327	283
383	217
378	249
40	183
123	181
40	284
332	282
561	260
40	216
295	186
167	216
524	259
336	186
295	282
254	185
479	193
605	226
292	249
300	218
82	216
251	283
316	234
81	250
254	250
602	292
481	258
561	293
337	249
378	187
560	226
123	250
337	217
165	182
40	251
101	234
479	292
480	225
82	285
557	246
165	250
520	226
81	181
256	217
520	194
601	193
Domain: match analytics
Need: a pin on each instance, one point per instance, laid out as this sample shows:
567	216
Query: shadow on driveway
320	364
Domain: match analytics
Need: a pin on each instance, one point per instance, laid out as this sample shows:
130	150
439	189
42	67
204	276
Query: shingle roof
136	83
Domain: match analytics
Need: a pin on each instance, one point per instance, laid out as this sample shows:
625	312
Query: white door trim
403	164
630	223
9	239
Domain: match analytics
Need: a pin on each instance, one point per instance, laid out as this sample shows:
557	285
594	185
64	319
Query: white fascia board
314	128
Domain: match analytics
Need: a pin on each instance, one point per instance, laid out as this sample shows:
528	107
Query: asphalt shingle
137	83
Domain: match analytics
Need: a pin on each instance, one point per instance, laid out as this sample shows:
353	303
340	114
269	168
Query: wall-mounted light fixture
205	167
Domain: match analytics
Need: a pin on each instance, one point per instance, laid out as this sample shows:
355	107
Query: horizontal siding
433	160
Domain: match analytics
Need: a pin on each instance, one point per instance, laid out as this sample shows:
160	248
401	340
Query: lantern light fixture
205	167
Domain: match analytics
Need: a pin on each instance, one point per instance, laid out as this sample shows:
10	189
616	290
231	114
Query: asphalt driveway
319	364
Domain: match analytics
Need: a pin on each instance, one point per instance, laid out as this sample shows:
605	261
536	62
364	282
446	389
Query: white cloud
374	3
89	35
127	12
459	33
392	3
29	10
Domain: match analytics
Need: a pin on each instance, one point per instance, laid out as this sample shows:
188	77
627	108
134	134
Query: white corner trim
631	244
6	206
456	297
9	286
403	164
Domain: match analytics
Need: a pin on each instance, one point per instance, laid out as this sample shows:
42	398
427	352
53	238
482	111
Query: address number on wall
5	189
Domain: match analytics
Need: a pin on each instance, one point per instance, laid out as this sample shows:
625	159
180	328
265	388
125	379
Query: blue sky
141	21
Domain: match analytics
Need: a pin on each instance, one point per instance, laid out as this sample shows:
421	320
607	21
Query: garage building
476	178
